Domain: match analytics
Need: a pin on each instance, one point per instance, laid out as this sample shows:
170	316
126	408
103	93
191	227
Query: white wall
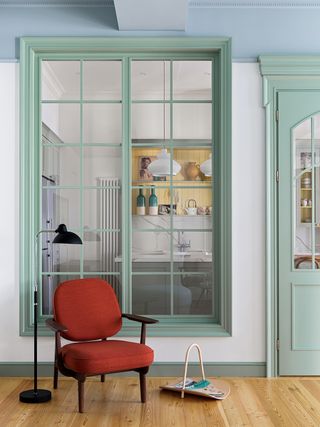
248	340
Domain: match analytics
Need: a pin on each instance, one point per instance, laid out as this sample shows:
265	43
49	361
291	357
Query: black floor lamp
63	236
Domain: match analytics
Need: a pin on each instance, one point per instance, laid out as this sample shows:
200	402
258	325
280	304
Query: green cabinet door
299	232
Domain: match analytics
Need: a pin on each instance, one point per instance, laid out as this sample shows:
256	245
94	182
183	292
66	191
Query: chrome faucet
182	244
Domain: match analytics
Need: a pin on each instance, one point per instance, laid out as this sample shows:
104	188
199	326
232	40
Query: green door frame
280	73
33	49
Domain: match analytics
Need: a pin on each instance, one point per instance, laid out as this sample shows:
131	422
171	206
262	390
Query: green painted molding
33	50
74	45
157	369
280	73
289	65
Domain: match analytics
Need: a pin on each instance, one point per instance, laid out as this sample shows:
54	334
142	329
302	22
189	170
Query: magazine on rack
214	388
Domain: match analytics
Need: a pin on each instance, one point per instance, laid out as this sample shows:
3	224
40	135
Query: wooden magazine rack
215	389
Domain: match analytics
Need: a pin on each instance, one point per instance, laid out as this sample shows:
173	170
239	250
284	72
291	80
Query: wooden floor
252	402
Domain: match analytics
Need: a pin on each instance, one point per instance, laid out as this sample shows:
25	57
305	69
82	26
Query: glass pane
193	293
196	164
153	261
49	284
151	251
60	258
141	158
192	80
102	80
150	202
62	121
101	251
102	123
67	258
151	294
60	165
182	297
102	162
192	121
150	80
302	180
152	222
150	121
60	206
192	248
102	208
60	80
193	207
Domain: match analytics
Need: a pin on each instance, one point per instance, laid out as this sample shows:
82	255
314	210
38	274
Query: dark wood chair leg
103	376
55	376
81	395
143	387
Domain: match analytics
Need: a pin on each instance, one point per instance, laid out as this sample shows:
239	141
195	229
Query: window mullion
81	171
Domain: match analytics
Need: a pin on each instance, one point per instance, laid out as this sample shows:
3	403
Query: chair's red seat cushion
106	356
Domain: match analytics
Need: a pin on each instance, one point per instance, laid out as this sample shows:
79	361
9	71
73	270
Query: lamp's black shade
66	237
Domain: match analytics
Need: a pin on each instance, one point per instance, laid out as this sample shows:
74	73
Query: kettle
191	208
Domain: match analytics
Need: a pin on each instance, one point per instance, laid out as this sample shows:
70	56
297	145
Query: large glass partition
170	105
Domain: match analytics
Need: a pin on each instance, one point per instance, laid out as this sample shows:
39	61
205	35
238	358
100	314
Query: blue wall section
255	31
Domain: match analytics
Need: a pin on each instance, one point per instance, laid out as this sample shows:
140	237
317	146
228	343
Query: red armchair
86	312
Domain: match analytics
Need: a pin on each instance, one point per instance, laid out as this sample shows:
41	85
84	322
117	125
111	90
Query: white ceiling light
206	167
163	15
161	166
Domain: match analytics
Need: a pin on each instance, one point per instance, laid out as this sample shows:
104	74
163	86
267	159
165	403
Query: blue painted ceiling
256	27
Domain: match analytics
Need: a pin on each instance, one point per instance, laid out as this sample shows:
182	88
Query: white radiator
109	218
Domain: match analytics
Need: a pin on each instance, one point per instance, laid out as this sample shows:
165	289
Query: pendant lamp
206	167
162	165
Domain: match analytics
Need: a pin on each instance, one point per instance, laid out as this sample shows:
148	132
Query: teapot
191	208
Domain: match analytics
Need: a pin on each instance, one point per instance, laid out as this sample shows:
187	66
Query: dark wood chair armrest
141	319
55	326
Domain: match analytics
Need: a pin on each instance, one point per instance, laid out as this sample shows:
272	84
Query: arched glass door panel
306	197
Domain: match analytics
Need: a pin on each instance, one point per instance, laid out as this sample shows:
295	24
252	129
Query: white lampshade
161	166
206	167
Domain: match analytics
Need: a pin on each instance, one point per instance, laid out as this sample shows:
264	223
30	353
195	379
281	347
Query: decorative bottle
141	203
153	203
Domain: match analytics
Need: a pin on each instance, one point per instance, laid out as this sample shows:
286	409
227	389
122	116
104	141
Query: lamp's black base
32	396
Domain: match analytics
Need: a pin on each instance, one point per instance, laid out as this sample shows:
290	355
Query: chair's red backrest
88	308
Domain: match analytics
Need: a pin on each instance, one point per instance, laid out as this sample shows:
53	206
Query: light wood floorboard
261	402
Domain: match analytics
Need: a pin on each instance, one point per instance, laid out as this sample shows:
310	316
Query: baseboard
158	369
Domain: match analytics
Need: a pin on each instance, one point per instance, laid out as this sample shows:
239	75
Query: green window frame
33	51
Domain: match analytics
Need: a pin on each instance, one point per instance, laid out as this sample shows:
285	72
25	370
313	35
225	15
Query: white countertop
162	256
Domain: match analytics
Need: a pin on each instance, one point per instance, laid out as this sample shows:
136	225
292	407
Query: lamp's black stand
37	395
